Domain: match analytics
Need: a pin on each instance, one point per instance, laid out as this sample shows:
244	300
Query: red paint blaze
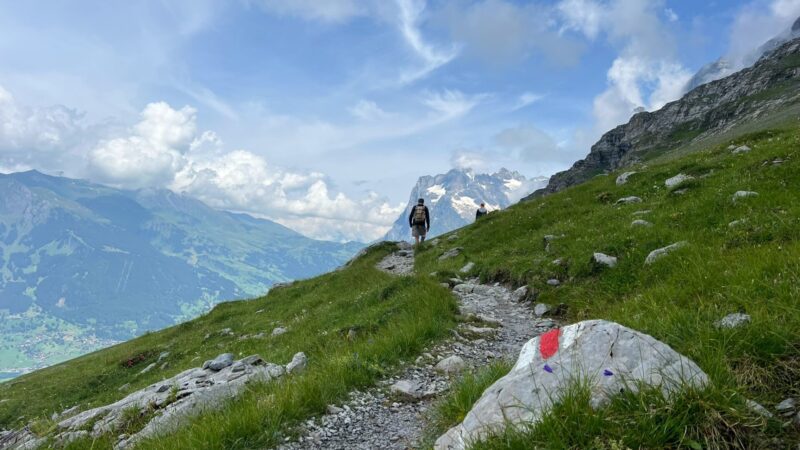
548	343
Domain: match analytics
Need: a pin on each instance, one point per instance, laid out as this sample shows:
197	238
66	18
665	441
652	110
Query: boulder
740	149
629	200
659	253
220	362
732	321
451	364
298	363
609	357
744	194
602	259
677	180
641	223
623	178
468	267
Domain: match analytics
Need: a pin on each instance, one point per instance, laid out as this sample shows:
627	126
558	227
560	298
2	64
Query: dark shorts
418	230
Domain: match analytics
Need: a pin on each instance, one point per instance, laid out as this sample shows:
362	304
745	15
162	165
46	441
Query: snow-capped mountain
453	198
722	67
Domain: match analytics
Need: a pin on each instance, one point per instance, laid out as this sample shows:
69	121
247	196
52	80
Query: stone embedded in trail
659	253
520	294
741	149
468	267
609	357
677	180
298	363
541	309
623	178
452	253
744	194
641	223
408	389
553	282
629	200
732	320
604	260
451	364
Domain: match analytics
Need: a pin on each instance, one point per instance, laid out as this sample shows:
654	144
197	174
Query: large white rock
451	364
677	180
604	260
606	355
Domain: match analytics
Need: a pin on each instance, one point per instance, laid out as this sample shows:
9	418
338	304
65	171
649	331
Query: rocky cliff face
453	198
750	95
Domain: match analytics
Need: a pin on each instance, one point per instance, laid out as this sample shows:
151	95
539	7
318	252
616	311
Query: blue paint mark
548	369
608	373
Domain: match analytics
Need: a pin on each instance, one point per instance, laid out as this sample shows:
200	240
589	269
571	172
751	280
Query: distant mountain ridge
83	264
453	198
768	91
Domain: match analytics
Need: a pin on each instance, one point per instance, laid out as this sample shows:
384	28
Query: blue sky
304	111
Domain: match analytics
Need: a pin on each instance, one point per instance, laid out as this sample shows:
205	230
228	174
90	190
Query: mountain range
453	198
83	265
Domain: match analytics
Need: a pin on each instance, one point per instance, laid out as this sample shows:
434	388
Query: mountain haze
84	265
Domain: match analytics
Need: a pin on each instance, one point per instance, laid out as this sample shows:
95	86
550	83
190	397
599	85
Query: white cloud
755	24
368	110
154	151
582	15
529	143
322	10
451	104
469	159
526	99
410	13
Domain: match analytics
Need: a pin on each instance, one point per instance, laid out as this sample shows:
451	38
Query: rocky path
392	415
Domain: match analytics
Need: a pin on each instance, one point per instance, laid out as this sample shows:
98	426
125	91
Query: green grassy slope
393	318
753	268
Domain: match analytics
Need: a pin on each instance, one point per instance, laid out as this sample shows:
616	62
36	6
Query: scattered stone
435	242
279	331
64	439
298	363
148	368
623	178
162	356
520	294
741	149
641	223
558	262
451	364
629	200
733	321
124	387
227	331
680	191
677	180
661	252
452	237
332	409
641	212
757	408
452	253
468	267
604	260
744	194
787	405
553	282
480	331
66	413
408	389
400	262
610	357
220	362
541	309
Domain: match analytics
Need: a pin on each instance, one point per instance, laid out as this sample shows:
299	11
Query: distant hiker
482	211
420	221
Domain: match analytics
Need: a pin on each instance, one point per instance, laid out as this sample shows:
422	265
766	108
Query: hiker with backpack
420	221
482	211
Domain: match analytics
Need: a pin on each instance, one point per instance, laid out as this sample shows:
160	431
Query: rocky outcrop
713	108
607	356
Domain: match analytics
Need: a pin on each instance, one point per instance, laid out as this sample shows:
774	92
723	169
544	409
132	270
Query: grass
753	268
393	319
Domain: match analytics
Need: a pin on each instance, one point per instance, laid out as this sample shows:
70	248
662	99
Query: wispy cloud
432	58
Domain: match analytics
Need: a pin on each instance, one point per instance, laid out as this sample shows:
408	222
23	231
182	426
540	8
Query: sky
322	114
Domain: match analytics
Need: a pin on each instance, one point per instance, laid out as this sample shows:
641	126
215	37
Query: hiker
482	211
420	221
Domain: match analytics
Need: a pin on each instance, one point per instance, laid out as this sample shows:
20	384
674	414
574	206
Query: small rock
452	237
558	262
452	253
623	178
334	410
628	200
64	439
677	180
604	260
553	282
238	367
680	191
148	368
641	212
162	356
787	405
541	309
661	252
736	223
252	360
520	294
468	268
220	362
451	364
298	363
732	320
411	390
279	331
757	408
124	387
744	194
226	332
741	149
641	223
435	242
